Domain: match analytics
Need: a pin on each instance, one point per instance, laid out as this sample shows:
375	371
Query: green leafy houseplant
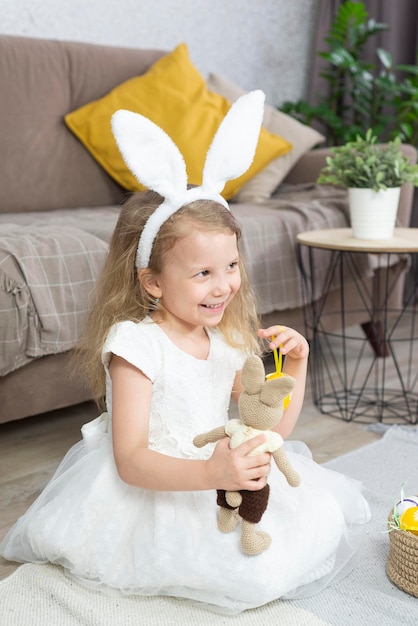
363	163
360	94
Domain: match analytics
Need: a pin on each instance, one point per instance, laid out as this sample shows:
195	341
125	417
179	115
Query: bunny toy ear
253	375
275	390
157	163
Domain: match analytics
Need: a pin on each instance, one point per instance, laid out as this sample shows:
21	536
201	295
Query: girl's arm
138	465
296	349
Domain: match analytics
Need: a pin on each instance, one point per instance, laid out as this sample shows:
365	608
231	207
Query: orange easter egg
287	399
409	520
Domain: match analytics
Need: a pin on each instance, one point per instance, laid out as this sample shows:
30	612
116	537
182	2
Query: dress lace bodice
189	395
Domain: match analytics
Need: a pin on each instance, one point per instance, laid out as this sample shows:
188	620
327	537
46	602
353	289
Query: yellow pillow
174	95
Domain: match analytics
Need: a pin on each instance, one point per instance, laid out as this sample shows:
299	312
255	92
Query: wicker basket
402	563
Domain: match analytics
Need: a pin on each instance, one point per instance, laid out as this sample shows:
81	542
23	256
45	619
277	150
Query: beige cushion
302	138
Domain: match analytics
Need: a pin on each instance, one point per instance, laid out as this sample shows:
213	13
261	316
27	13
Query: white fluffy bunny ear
150	154
233	147
157	163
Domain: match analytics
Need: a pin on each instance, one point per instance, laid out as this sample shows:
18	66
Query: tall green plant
406	107
361	95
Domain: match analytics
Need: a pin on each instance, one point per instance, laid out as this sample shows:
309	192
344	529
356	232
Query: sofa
59	205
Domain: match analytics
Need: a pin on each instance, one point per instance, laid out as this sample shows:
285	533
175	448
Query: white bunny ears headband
157	163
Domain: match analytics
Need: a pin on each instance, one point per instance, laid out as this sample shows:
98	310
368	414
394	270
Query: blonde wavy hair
119	294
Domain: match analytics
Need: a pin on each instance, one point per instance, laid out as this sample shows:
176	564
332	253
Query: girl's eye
233	265
203	273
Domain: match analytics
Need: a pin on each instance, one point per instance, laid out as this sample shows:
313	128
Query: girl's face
200	277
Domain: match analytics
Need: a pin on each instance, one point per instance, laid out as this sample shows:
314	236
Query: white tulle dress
112	536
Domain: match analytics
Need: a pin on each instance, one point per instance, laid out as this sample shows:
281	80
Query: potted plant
373	174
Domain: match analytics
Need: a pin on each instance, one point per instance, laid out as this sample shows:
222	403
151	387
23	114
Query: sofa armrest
307	169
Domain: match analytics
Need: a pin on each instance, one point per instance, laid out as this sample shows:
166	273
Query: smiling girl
131	507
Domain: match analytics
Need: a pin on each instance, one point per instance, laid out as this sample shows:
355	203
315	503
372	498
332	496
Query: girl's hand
233	470
290	342
296	348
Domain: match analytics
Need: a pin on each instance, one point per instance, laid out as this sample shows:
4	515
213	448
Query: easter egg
409	520
406	503
287	399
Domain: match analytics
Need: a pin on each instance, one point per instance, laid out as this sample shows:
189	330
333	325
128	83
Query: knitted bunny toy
260	408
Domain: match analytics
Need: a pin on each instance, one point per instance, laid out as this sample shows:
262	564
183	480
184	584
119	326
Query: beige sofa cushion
40	81
302	138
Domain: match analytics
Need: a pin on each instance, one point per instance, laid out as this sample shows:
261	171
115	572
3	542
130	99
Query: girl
132	506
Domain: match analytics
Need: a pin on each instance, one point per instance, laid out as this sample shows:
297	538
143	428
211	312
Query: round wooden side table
364	373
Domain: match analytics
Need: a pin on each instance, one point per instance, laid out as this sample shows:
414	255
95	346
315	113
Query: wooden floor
31	449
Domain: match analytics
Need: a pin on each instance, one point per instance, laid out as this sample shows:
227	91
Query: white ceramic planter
373	213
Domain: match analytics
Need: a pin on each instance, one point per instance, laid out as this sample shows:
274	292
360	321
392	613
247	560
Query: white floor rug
40	595
43	596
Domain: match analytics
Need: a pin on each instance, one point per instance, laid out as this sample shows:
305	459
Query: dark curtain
401	40
326	13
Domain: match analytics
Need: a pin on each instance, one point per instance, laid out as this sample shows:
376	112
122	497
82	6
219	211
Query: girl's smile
214	307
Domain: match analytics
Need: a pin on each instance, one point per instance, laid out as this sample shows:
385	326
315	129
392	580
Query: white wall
256	43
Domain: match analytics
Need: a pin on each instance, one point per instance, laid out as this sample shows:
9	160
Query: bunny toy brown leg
228	520
233	498
251	510
228	517
253	541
